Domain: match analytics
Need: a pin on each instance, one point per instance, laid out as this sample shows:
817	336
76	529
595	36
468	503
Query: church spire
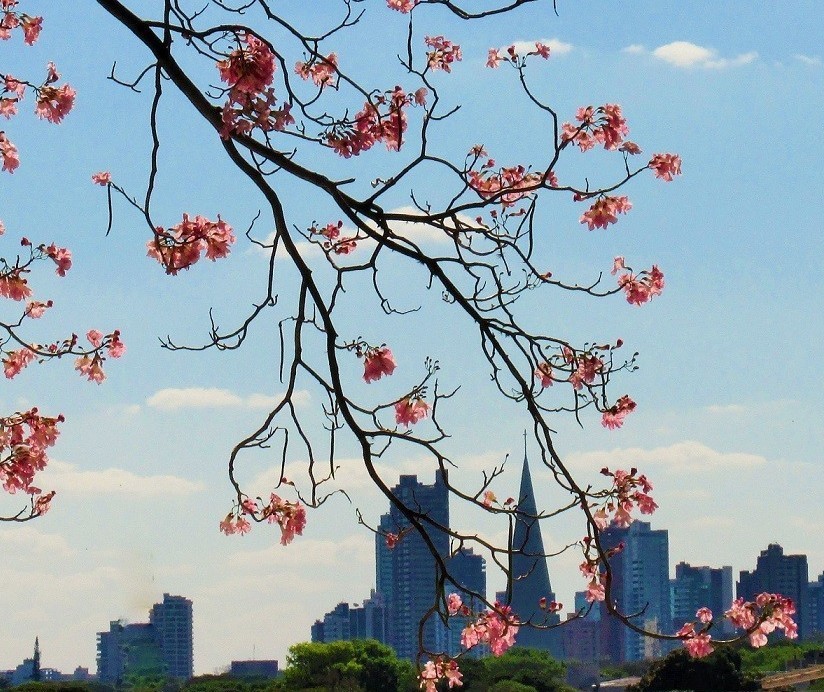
530	576
35	661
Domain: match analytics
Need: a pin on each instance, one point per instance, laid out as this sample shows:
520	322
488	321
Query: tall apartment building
172	620
345	622
530	575
696	587
640	584
161	646
469	571
778	573
406	574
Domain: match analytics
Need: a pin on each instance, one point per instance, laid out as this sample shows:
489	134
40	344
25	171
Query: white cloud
682	457
27	538
422	233
724	409
686	54
556	46
67	478
808	59
635	49
172	399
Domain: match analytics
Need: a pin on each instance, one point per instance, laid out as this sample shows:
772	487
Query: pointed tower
35	661
530	576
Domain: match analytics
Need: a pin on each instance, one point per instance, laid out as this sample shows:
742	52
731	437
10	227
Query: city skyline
728	424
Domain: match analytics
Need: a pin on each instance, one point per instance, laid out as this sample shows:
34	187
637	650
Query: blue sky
729	424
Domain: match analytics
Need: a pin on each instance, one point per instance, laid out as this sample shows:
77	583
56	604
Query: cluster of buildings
405	587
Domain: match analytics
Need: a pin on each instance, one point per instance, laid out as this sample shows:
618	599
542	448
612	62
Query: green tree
679	671
359	665
530	667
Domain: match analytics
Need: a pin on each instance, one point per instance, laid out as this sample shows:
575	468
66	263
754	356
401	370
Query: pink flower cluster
377	362
605	211
507	185
603	125
595	586
382	120
251	101
443	53
614	416
11	19
441	669
643	287
494	57
91	365
588	365
666	166
24	439
182	245
628	491
403	6
767	613
54	103
410	410
333	242
290	516
496	627
758	618
320	70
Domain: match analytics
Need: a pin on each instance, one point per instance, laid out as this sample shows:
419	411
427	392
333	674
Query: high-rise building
530	576
697	587
640	584
778	573
406	574
815	601
345	622
161	646
172	620
469	571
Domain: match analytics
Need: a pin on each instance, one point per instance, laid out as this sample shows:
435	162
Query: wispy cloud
726	409
172	399
682	457
67	478
690	55
813	60
556	46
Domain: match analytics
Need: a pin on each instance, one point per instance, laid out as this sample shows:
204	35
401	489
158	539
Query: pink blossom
489	499
630	148
8	107
453	603
43	503
391	540
542	50
15	361
321	71
290	516
699	645
617	265
410	410
378	362
11	159
494	58
248	70
496	627
345	246
544	373
403	6
665	166
35	309
103	178
91	368
420	96
116	347
614	417
704	615
181	246
443	53
605	211
95	337
62	257
54	103
31	28
603	125
595	591
14	286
